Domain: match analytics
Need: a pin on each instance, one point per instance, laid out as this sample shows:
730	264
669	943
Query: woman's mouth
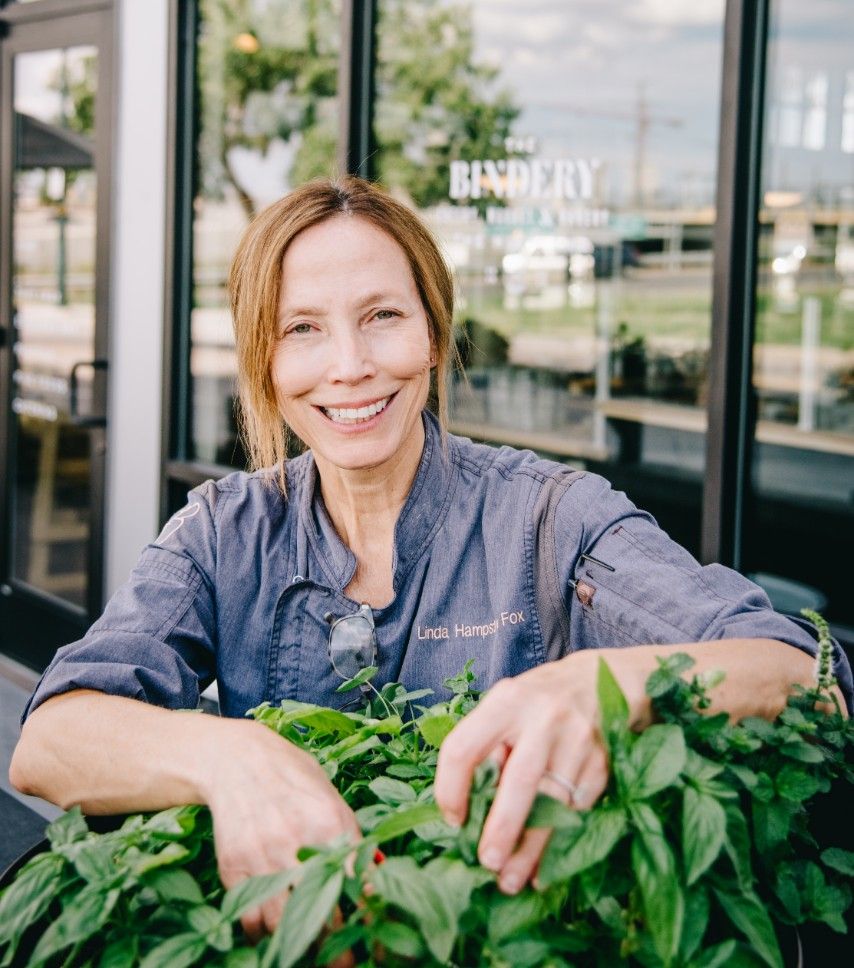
356	415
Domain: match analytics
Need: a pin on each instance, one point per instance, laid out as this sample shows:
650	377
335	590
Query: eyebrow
374	297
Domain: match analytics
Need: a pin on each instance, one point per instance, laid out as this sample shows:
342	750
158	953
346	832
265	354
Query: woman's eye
300	329
386	314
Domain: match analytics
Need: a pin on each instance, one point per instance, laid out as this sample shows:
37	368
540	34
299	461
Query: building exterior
649	208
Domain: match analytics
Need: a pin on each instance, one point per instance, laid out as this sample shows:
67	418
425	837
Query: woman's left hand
545	721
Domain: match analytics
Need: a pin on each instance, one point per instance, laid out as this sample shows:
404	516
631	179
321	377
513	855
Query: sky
577	65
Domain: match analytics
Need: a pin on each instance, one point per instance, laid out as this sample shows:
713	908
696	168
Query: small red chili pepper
379	856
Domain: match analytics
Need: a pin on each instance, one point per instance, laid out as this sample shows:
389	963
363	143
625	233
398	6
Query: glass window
565	155
266	82
799	529
54	193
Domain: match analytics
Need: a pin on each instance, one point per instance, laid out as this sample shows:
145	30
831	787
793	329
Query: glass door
55	111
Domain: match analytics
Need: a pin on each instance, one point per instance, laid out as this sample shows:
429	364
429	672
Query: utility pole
642	118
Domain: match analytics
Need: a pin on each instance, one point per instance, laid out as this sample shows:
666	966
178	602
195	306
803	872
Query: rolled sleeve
631	584
156	640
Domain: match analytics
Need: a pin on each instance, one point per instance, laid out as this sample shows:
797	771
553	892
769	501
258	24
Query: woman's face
351	367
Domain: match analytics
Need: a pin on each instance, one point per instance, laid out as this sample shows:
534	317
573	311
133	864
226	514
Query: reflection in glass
54	317
803	468
571	182
267	75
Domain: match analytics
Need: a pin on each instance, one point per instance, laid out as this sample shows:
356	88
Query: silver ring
575	792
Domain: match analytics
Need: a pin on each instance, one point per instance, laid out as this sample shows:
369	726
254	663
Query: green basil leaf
656	760
572	850
524	953
319	718
760	728
514	914
172	824
175	885
763	788
703	832
787	890
204	918
361	677
655	871
95	861
613	707
794	783
24	902
667	674
695	923
803	752
123	952
771	824
391	791
737	845
829	904
400	882
84	915
747	913
717	956
67	829
835	857
404	771
745	776
308	909
369	816
254	891
457	880
461	684
172	853
610	912
548	812
240	958
404	697
178	951
400	938
434	729
340	942
700	769
401	823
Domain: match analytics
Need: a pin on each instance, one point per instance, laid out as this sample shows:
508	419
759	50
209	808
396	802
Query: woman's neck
364	504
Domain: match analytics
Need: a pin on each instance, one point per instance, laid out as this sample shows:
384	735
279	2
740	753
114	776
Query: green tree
435	102
266	71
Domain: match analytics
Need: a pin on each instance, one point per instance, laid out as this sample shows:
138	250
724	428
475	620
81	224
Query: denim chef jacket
236	586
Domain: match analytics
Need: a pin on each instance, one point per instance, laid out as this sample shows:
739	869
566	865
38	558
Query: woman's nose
352	360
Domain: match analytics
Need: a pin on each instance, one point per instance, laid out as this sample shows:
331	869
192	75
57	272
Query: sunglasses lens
351	646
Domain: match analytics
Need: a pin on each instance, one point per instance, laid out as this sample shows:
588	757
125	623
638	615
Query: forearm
116	755
758	674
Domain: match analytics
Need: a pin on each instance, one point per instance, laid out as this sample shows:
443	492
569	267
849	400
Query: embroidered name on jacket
464	631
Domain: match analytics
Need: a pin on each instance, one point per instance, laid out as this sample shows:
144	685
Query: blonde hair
255	281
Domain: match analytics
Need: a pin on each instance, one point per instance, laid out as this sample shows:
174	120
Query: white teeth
351	415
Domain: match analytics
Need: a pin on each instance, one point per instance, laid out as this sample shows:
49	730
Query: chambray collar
421	517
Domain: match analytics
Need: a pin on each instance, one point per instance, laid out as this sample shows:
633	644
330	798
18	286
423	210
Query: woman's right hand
268	799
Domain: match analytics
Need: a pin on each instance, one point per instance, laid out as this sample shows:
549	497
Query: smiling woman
350	279
352	375
386	530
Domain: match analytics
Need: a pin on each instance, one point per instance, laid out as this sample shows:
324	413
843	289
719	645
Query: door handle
74	416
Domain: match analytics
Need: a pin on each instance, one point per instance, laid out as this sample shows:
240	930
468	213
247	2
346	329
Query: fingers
483	731
589	784
559	744
517	788
521	866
